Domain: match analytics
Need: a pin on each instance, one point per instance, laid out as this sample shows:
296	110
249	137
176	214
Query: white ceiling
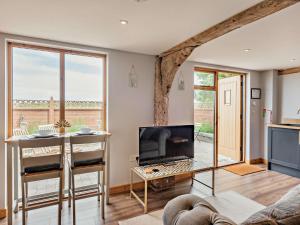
156	25
274	41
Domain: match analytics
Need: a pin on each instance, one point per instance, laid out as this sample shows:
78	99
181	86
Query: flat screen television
165	144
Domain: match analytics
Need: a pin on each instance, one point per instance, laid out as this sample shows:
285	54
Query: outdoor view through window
36	90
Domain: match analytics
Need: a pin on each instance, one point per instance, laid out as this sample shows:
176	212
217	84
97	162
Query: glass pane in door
204	120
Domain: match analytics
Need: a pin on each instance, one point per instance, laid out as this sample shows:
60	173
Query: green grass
205	128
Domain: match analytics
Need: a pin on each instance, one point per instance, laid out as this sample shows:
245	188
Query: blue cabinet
284	151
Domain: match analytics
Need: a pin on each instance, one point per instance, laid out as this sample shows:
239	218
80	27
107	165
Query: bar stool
41	167
87	156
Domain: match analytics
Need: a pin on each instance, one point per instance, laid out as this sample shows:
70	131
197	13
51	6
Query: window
47	85
202	78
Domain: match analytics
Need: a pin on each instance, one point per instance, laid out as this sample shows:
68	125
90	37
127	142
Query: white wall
128	108
269	85
289	96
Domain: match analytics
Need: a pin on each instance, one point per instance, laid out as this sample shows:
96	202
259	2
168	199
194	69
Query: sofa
192	210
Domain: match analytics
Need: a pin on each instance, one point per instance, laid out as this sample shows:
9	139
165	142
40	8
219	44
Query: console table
167	170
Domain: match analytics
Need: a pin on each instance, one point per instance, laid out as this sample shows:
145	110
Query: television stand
146	173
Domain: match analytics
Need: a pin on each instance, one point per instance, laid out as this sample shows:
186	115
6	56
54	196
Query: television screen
165	144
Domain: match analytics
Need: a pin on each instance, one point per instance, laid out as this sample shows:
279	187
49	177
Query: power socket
132	158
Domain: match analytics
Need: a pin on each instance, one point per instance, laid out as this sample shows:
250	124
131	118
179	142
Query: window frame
62	52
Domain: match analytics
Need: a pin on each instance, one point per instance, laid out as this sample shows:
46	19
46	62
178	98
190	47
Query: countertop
285	126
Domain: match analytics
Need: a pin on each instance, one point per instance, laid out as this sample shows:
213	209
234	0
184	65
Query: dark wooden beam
289	71
252	14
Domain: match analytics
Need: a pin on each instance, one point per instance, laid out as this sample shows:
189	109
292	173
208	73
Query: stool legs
102	195
69	189
60	197
98	174
23	203
73	198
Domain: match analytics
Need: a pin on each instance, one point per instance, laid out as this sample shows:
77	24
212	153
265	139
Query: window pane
222	75
84	92
203	78
204	119
35	90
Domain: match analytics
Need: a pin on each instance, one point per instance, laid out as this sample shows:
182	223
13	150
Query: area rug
243	169
231	204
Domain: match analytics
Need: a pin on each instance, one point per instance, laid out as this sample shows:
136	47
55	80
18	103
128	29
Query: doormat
244	169
2	213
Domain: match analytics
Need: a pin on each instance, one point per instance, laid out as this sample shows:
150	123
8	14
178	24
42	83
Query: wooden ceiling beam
252	14
289	71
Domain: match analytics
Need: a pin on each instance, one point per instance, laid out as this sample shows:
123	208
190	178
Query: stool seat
88	162
42	168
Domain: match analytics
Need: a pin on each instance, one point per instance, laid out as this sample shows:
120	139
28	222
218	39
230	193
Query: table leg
146	197
16	178
9	155
131	181
193	177
107	170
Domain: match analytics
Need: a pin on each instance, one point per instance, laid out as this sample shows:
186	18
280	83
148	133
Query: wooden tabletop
15	139
285	126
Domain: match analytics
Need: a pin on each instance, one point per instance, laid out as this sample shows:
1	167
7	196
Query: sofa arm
192	210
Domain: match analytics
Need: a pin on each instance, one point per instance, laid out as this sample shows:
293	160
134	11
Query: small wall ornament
180	81
133	78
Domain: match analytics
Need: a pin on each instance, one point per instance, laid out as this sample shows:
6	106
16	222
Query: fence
38	112
204	113
79	113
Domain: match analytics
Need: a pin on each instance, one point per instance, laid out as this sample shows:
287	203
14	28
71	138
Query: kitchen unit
284	148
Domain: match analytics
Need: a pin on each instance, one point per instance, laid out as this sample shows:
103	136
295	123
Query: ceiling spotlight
247	50
124	22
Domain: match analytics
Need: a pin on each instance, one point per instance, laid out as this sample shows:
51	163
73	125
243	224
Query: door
229	118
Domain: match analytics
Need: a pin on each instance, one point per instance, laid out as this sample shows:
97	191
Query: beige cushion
192	210
284	212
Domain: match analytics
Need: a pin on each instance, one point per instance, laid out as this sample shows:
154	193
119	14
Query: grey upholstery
284	212
192	210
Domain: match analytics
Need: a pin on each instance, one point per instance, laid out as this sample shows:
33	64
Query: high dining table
12	181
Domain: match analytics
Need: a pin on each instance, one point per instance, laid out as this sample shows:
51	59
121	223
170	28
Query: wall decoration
180	81
133	78
255	93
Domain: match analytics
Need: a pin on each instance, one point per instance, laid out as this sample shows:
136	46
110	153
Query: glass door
204	116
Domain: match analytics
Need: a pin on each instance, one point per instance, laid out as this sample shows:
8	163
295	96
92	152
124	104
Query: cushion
284	212
88	162
192	210
42	168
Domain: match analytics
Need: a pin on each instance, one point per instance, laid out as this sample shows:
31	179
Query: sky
36	76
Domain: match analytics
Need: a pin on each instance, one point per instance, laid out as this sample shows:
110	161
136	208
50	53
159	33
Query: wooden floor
264	187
